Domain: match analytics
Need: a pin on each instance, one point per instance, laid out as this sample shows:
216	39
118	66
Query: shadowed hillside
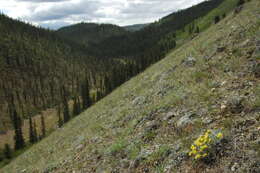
89	33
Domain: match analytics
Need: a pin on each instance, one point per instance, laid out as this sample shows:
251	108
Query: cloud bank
57	13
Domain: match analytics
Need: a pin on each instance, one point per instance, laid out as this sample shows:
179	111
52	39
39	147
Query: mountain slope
148	124
37	55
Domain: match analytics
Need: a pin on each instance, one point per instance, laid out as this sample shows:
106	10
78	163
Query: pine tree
197	30
240	2
86	101
43	126
107	85
66	115
35	131
76	106
7	152
216	19
60	121
31	131
17	122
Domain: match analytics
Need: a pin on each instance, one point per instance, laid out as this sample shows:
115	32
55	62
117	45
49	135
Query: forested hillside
38	69
89	33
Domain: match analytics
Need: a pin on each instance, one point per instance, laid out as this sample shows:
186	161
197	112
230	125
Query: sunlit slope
149	123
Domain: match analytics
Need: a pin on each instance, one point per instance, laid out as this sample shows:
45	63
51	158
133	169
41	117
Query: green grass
208	20
102	127
117	147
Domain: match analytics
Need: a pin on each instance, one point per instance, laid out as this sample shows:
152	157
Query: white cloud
57	13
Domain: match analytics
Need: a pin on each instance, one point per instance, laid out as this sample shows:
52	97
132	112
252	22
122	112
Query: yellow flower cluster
200	147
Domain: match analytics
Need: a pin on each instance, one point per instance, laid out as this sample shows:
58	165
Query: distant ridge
135	27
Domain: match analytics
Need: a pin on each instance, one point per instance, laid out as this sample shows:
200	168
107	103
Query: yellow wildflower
203	147
197	142
197	156
219	135
205	155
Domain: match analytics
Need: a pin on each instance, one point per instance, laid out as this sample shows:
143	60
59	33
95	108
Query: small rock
207	58
136	162
221	49
235	104
234	167
177	158
186	119
213	89
95	140
128	118
124	163
146	170
223	106
151	125
79	147
207	120
223	83
245	43
139	100
169	116
255	167
190	61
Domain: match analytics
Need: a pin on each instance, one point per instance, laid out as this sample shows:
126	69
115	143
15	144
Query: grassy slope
205	22
182	37
111	130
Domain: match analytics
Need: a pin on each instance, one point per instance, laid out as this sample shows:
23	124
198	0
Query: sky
54	14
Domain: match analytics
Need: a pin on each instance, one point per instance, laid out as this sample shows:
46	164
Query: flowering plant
204	144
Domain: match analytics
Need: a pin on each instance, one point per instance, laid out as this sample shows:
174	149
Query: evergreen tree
31	131
76	107
86	101
216	19
66	114
60	121
35	131
240	2
197	30
107	85
1	155
43	126
17	122
7	152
